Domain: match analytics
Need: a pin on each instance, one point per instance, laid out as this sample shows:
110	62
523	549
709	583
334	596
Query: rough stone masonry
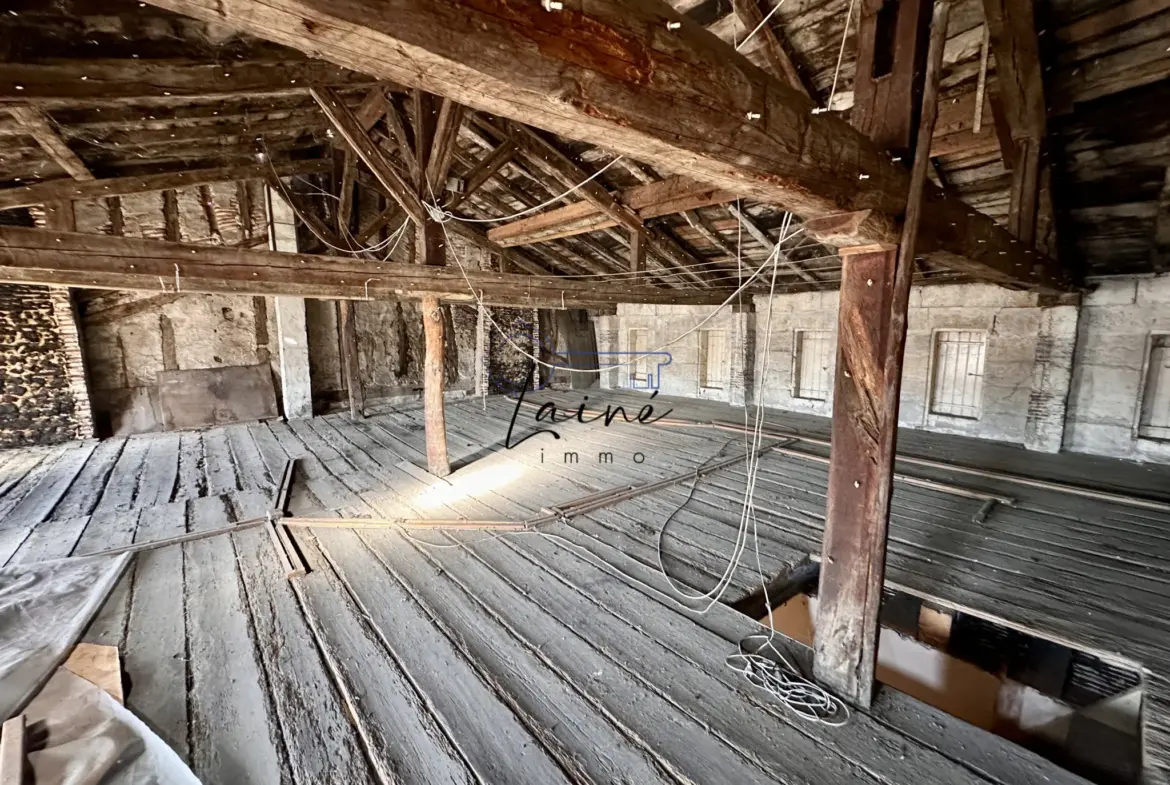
37	401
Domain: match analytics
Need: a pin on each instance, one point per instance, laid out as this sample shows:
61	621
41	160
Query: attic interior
585	391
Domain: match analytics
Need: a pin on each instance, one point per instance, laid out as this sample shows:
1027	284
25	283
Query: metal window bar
814	354
957	384
712	359
1155	415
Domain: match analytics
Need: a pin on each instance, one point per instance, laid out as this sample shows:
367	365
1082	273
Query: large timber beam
40	128
76	190
41	256
617	76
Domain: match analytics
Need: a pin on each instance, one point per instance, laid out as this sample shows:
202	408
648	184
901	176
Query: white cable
439	215
763	22
840	57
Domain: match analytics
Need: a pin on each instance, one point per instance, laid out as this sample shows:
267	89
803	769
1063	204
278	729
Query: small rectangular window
1155	417
640	369
956	388
812	359
712	359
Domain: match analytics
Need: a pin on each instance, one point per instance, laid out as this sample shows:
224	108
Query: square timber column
296	387
860	481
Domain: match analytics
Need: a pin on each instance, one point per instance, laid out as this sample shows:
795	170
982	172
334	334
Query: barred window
957	375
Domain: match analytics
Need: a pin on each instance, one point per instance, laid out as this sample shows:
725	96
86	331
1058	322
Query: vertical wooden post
430	249
871	341
637	255
434	414
350	371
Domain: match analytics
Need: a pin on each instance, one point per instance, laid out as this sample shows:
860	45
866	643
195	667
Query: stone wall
677	366
37	401
1027	367
1117	320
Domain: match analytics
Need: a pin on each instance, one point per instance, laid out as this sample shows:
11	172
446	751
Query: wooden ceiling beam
37	125
665	197
447	125
483	171
676	98
769	244
41	256
109	81
56	190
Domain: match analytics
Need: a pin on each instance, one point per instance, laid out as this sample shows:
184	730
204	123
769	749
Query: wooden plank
875	296
233	730
12	751
402	739
484	170
680	99
37	124
96	261
436	425
511	752
322	742
446	134
109	81
38	504
350	370
56	190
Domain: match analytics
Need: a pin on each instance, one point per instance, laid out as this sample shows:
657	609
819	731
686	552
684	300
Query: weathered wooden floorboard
122	482
863	748
250	465
565	715
82	496
685	746
52	539
219	465
154	655
401	737
20	462
39	502
233	734
434	665
110	528
389	482
29	482
192	481
331	459
322	744
160	471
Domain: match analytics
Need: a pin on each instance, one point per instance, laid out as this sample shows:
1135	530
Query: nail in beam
871	339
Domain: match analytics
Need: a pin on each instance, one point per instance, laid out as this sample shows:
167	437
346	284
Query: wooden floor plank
233	734
154	656
40	500
83	495
401	737
512	752
322	744
160	471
